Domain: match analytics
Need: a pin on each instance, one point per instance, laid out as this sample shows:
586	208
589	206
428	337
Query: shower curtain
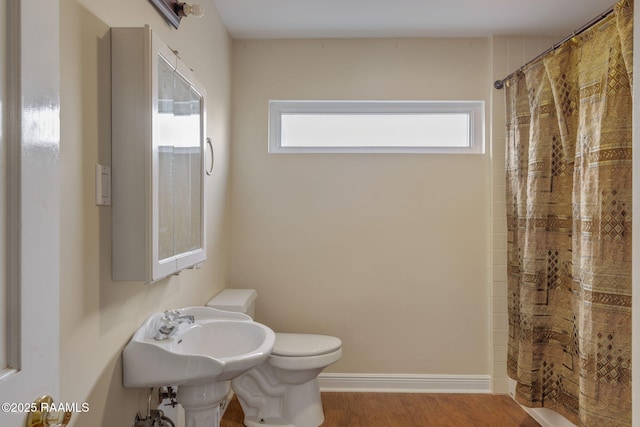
569	225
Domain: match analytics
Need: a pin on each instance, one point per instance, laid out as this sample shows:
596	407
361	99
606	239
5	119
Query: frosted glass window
376	126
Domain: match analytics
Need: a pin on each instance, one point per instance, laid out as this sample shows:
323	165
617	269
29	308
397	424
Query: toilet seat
303	345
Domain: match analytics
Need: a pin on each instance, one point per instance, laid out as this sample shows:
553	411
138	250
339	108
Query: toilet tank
238	300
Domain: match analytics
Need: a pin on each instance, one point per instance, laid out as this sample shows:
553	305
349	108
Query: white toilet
283	390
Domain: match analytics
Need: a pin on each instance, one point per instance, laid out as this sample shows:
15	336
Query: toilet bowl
283	390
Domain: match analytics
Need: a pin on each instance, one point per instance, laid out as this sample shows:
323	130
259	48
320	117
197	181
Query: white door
29	205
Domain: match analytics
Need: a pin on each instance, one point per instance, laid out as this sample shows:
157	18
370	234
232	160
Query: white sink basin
217	346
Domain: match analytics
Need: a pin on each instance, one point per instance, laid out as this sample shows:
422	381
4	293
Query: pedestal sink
199	350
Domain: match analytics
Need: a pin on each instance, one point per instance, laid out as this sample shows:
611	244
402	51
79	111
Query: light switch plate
103	185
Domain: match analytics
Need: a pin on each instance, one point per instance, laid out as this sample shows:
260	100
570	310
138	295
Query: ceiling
250	19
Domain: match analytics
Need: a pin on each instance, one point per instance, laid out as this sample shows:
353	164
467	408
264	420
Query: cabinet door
158	127
178	142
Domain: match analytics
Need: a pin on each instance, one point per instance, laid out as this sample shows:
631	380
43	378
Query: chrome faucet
170	322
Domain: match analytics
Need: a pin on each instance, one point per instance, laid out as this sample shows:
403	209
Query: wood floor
410	410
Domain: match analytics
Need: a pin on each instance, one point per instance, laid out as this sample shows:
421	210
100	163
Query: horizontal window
376	126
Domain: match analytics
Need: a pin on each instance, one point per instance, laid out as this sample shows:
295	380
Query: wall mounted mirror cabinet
158	128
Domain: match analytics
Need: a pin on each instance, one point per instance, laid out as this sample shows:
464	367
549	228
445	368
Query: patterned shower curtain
569	226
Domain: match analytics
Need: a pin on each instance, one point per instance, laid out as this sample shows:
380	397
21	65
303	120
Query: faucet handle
168	324
172	315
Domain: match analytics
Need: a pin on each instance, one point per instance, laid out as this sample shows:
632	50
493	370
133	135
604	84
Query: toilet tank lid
238	300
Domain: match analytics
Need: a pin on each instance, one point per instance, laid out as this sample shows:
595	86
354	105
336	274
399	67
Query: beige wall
97	315
388	252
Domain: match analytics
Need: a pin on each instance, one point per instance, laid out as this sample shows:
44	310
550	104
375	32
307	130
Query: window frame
475	109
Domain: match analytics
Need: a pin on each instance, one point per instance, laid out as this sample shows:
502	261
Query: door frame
33	142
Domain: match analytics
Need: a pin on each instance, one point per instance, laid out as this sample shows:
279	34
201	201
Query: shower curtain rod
499	84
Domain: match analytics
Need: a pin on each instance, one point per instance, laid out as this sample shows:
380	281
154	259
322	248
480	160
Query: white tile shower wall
508	54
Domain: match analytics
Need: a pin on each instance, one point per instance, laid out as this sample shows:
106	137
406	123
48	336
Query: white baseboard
405	383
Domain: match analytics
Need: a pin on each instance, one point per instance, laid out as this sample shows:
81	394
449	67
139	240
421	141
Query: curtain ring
574	39
209	170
